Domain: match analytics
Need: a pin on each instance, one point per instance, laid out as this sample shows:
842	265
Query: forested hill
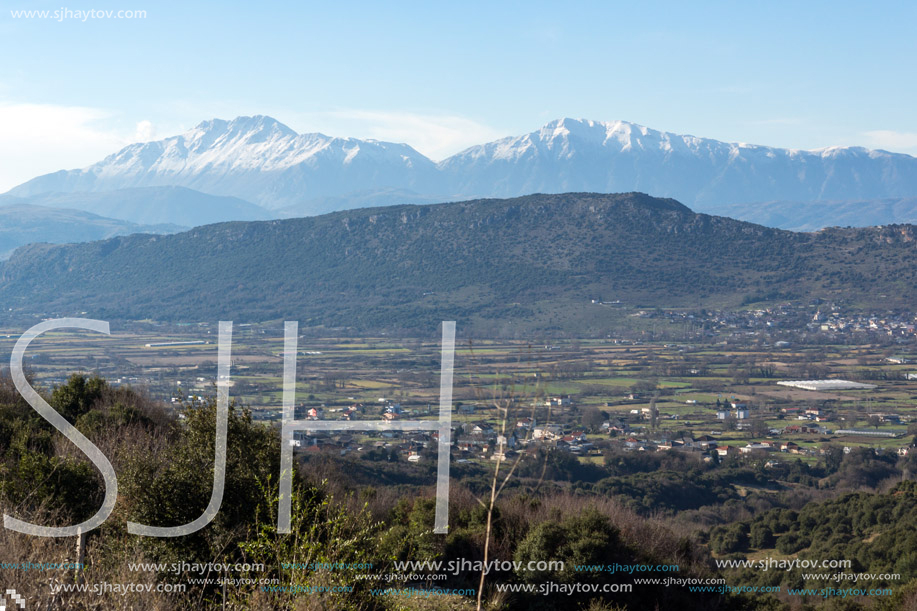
535	261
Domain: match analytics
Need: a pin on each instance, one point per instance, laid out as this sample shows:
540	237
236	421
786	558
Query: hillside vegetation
535	262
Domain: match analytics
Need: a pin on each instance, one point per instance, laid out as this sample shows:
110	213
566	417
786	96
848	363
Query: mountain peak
590	124
261	160
598	133
257	124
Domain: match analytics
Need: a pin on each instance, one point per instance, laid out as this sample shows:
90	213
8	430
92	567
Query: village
803	433
781	399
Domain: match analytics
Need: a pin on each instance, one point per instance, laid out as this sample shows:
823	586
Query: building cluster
817	317
900	325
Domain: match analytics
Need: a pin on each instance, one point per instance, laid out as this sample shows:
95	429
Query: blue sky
444	76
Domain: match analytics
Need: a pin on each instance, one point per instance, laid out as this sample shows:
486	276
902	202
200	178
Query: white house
546	432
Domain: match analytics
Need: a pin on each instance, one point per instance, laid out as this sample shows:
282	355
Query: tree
77	396
791	543
174	487
643	386
761	536
731	539
592	418
654	411
759	427
834	455
585	539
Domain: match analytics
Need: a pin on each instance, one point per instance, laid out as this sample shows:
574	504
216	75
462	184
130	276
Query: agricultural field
654	390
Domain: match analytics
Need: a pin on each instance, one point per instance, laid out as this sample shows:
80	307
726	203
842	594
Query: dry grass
36	585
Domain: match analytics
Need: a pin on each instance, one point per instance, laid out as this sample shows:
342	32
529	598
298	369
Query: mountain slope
263	161
22	224
811	216
534	262
255	158
150	205
568	155
357	199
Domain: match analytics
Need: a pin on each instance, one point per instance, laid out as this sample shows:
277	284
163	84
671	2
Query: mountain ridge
246	157
263	161
532	263
22	223
168	205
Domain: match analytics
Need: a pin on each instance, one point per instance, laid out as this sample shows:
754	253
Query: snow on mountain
261	160
254	158
580	155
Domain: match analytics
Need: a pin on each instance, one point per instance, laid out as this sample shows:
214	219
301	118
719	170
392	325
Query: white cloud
901	142
41	138
146	131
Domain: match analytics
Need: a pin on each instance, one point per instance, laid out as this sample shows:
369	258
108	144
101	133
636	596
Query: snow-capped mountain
261	160
579	155
257	159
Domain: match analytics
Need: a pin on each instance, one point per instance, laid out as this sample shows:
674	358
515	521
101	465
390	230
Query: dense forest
877	532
